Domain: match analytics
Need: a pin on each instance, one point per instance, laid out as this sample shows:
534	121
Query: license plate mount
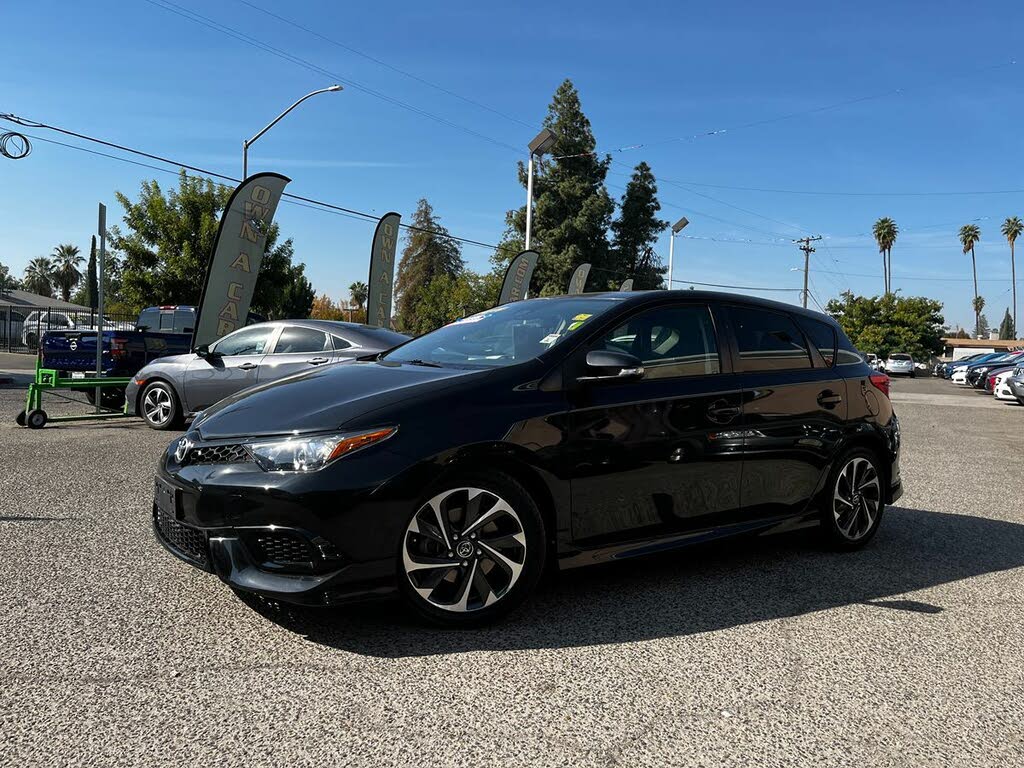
168	499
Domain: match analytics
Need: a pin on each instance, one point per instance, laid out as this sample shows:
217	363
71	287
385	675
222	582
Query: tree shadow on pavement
699	589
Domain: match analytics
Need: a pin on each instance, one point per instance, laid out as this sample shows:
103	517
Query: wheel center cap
464	549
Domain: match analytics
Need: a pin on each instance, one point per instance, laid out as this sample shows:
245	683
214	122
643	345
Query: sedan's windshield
504	335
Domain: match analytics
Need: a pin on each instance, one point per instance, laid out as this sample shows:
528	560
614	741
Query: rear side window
340	343
823	337
768	341
847	354
295	339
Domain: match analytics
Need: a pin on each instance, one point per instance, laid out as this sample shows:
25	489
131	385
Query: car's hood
323	399
180	360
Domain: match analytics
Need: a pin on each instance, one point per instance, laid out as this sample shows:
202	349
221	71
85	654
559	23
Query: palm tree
39	276
885	232
1012	227
970	234
358	292
66	261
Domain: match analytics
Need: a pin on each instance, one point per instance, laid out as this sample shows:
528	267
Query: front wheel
854	501
472	551
159	406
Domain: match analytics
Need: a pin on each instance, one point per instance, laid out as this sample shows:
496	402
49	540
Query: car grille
191	542
283	548
219	454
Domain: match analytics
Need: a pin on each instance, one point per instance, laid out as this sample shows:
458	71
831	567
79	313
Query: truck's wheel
31	340
110	397
159	406
36	419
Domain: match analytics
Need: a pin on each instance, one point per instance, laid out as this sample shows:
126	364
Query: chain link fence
22	327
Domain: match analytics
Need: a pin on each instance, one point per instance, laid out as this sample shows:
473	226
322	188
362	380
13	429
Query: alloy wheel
856	498
156	405
464	550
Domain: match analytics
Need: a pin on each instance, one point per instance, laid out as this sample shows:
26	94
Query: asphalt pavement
768	652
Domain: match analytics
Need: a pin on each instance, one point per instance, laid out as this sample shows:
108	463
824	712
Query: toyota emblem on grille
181	452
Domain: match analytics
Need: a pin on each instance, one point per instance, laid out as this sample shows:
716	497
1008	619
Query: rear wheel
110	397
472	551
854	501
159	406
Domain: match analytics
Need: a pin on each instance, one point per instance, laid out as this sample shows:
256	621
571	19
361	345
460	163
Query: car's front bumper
300	539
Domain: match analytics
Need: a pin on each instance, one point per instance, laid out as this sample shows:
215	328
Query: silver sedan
169	389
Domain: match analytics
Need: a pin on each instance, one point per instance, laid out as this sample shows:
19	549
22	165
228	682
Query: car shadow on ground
700	589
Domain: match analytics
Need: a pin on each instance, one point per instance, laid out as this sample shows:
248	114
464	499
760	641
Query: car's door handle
317	360
721	412
246	366
829	399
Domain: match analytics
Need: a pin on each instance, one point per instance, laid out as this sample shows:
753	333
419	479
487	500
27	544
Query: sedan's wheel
159	406
472	551
854	509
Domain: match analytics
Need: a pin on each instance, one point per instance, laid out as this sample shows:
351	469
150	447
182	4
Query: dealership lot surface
767	652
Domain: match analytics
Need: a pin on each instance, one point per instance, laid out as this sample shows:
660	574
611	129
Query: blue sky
942	113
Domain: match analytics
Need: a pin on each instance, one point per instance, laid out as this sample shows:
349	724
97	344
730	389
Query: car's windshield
504	335
899	357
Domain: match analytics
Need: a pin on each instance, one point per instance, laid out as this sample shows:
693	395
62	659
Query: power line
290	197
736	287
837	193
205	21
808	249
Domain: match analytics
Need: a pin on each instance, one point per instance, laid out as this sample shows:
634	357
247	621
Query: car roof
639	298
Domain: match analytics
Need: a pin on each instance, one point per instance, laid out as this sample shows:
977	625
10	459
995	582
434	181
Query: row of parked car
897	363
1000	374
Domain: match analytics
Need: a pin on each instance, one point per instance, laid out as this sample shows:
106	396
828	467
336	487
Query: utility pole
805	246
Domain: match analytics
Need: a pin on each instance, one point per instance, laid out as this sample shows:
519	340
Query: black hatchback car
566	431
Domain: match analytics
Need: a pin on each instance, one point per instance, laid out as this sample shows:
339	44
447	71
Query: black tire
31	341
110	397
36	419
913	374
864	528
159	406
20	419
480	563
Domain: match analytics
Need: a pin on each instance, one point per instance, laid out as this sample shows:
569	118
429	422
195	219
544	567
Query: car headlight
308	454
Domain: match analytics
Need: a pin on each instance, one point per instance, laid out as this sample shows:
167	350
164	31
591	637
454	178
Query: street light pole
272	123
672	247
541	143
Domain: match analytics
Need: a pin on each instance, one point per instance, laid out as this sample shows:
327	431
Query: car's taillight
117	348
881	382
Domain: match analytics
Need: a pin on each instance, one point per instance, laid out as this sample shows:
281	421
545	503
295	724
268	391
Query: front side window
670	341
248	341
768	341
296	339
504	335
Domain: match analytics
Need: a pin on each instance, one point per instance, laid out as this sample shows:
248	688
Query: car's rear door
794	407
297	349
656	456
233	365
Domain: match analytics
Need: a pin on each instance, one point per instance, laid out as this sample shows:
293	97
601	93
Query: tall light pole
541	143
672	246
272	123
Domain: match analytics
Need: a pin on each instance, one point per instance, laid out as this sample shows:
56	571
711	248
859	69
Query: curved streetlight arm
275	121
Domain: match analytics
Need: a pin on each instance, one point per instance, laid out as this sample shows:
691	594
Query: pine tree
430	252
636	230
572	208
1006	329
92	295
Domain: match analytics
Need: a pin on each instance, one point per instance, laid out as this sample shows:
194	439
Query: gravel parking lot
768	652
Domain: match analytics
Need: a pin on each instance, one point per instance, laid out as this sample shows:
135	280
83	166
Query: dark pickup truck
160	331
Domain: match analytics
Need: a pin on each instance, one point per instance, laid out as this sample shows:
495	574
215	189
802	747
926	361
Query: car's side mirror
203	350
608	365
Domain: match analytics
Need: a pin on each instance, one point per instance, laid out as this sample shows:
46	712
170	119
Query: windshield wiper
424	363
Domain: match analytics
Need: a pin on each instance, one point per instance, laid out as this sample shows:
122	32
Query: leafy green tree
890	323
358	292
325	309
169	240
39	277
885	232
448	298
430	252
969	235
92	291
982	330
1011	229
1007	330
636	230
66	261
7	282
572	207
979	304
